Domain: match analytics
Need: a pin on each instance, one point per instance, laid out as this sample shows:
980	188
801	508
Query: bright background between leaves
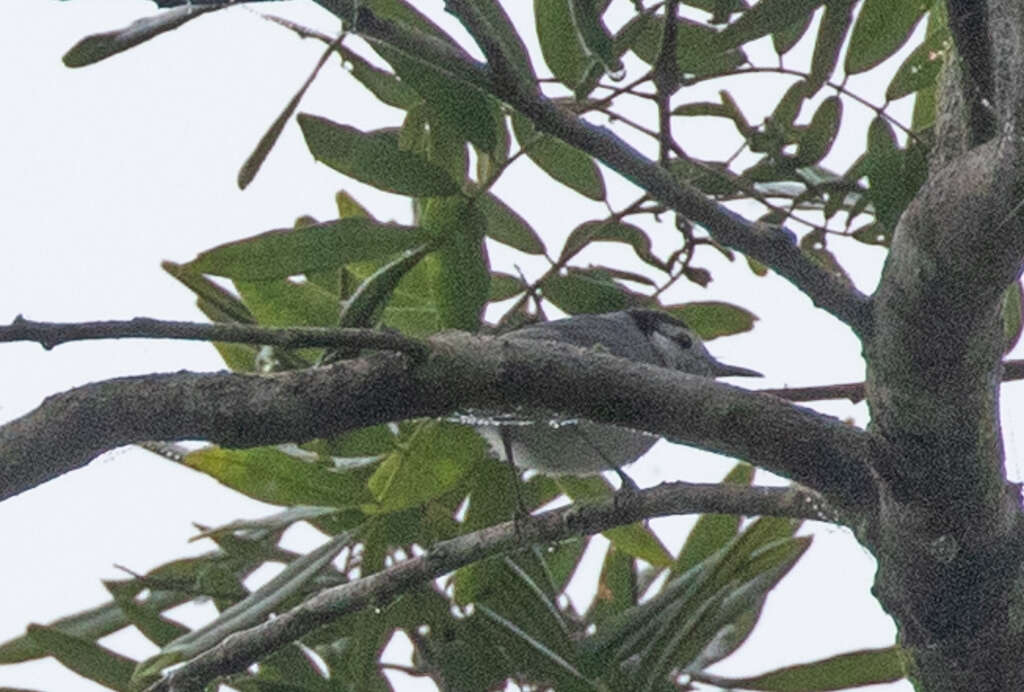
110	169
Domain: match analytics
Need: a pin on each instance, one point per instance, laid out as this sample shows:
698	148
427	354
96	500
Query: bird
569	446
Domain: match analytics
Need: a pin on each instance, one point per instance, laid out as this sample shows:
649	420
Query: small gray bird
581	447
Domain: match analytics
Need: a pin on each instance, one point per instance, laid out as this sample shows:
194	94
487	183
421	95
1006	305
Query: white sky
109	169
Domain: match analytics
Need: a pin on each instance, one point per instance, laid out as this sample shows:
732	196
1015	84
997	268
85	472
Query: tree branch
50	334
462	371
236	652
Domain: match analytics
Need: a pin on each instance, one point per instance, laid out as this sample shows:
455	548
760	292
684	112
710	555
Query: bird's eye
684	340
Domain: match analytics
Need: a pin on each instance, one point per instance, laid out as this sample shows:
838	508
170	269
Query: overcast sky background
109	169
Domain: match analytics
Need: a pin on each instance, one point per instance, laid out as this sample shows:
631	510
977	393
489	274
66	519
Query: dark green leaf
766	17
616	587
508	227
882	27
783	40
581	291
563	162
252	164
89	624
362	307
462	279
280	303
504	286
710	177
144	617
640	542
99	46
269	475
788	108
384	85
374	158
834	24
922	67
854	669
712	319
712	531
85	657
816	141
698	51
594	37
894	174
450	102
426	465
287	252
505	33
610	231
562	51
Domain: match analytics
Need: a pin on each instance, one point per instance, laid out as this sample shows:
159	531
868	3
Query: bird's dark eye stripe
684	340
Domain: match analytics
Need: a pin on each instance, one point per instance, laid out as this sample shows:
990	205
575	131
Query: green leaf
882	27
562	51
783	40
698	51
594	37
563	162
374	158
712	319
831	33
89	625
462	278
85	657
921	68
384	85
616	587
816	141
504	286
145	618
252	164
100	46
508	227
590	291
269	475
450	102
251	610
425	466
281	303
362	307
286	252
766	17
853	669
505	33
712	531
894	174
639	541
613	231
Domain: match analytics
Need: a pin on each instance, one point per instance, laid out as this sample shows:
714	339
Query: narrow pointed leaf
287	252
374	158
831	33
854	669
100	46
508	227
87	658
252	164
563	162
766	17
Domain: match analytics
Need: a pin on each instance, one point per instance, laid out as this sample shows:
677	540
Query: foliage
660	619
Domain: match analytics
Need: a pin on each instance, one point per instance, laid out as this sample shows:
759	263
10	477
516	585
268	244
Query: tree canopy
353	341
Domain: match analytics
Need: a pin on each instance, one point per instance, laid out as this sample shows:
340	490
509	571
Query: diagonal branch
462	371
243	648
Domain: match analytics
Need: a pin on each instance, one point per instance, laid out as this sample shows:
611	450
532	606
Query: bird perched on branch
581	447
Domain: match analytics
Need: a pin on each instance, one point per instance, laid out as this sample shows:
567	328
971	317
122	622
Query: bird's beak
723	370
